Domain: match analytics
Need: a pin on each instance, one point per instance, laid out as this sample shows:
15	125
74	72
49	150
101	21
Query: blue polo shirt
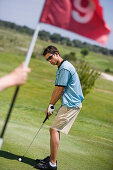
67	76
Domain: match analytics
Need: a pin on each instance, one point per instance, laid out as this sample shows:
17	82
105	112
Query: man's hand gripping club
50	109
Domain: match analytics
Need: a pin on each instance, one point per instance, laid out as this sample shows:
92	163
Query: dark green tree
84	52
44	35
63	40
111	52
55	38
69	42
77	43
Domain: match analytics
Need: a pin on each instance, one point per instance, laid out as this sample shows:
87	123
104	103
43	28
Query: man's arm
57	93
16	77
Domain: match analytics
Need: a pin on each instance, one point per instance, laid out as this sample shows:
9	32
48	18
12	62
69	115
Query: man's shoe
45	160
45	166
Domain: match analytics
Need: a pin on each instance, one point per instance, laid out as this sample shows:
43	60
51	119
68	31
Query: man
16	77
67	86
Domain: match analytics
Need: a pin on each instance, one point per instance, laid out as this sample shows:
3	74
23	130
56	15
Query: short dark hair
50	49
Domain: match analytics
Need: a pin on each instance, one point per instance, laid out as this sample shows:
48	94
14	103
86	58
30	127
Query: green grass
88	146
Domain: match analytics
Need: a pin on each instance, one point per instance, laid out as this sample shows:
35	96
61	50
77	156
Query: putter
20	159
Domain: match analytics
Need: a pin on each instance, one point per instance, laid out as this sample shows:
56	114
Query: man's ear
57	53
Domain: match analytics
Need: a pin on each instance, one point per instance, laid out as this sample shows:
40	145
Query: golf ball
20	159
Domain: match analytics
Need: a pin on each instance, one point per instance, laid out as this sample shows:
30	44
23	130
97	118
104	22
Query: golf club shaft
35	135
32	140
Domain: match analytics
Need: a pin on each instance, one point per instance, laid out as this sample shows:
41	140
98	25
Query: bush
107	70
84	52
70	57
87	77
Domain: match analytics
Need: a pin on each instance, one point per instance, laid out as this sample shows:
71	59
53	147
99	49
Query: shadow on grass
12	156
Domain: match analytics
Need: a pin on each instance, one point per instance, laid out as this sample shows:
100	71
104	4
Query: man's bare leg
54	144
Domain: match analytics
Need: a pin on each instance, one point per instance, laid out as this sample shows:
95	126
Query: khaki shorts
65	118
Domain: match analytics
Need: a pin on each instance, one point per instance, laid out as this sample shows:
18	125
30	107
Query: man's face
52	58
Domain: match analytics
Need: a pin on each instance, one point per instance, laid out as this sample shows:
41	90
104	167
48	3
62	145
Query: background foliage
57	38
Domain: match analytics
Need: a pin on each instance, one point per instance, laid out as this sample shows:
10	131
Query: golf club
20	159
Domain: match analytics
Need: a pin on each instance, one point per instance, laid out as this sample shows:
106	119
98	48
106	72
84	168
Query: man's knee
52	131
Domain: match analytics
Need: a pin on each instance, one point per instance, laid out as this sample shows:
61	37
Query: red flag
84	17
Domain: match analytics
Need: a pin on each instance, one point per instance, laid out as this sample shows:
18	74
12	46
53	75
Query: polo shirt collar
61	63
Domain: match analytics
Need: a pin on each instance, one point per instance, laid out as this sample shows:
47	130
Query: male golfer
67	86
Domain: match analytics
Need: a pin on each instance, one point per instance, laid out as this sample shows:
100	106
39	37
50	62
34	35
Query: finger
28	70
22	65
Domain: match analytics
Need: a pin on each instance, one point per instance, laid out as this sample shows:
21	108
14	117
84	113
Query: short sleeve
62	78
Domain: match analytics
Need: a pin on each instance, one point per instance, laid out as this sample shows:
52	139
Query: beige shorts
64	119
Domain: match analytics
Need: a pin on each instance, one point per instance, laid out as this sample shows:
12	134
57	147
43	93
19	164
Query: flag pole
26	63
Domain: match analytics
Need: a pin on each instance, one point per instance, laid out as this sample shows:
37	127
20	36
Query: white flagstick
26	63
1	141
31	47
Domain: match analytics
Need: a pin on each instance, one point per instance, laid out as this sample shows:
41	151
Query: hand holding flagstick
19	75
16	77
26	63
